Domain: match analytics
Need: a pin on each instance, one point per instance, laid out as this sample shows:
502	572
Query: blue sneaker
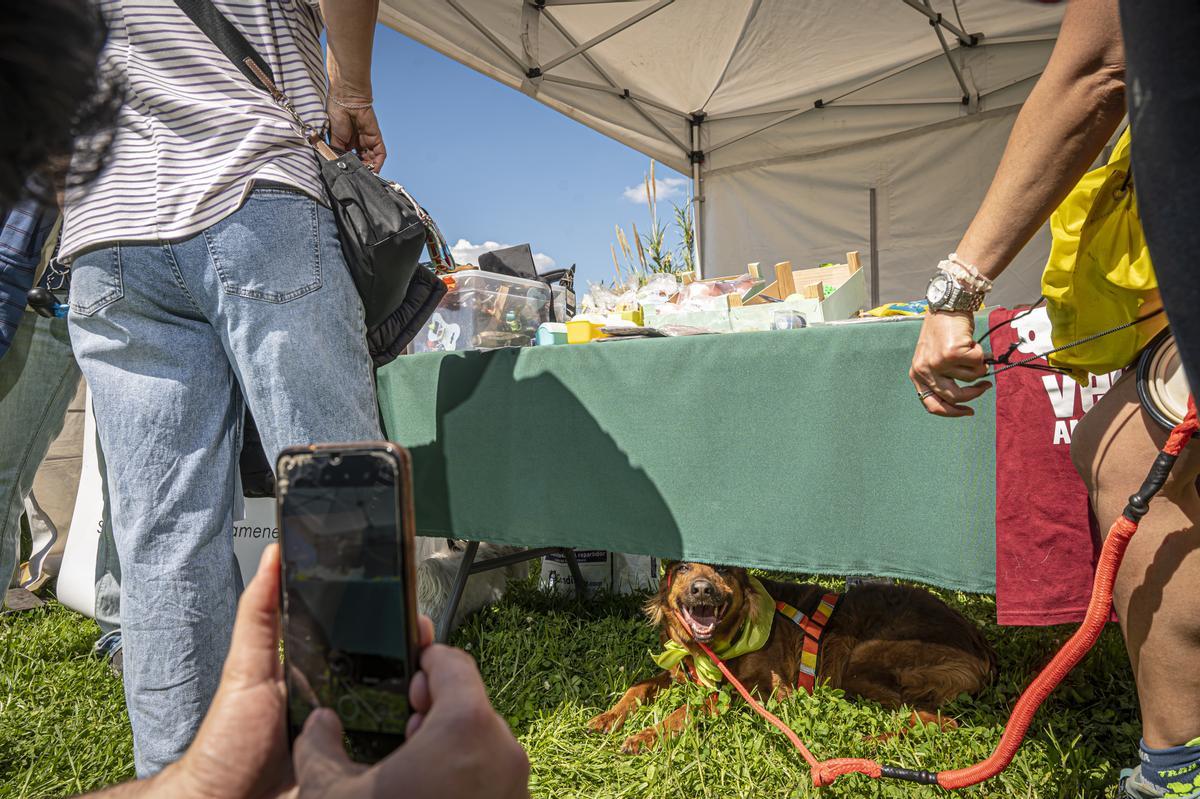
1135	786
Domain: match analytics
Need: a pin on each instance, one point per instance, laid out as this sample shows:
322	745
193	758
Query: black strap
228	39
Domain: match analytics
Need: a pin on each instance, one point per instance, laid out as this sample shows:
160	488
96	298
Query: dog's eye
723	571
682	568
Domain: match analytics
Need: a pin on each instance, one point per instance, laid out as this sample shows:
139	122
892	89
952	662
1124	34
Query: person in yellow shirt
1070	115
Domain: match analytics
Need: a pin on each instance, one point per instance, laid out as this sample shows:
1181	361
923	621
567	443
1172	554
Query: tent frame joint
966	40
533	73
937	20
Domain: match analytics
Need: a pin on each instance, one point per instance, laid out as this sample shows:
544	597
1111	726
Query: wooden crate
797	290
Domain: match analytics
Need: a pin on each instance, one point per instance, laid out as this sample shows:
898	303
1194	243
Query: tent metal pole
612	88
936	19
874	245
491	37
635	102
604	74
779	120
818	104
697	156
895	102
822	103
613	31
969	97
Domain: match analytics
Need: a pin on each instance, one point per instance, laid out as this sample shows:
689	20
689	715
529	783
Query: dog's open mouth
702	620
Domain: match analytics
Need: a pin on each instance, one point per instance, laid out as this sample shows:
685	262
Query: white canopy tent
808	128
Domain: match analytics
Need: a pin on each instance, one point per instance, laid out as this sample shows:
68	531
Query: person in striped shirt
206	268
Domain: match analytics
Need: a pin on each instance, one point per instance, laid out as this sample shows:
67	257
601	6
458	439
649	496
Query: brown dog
888	643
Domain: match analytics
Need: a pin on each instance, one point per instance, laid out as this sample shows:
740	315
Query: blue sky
492	164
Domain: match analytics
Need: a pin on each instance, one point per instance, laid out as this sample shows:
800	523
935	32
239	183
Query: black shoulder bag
381	227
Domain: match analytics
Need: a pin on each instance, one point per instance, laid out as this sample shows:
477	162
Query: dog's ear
655	607
749	595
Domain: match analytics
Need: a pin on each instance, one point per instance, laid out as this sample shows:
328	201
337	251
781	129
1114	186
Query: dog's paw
607	722
636	744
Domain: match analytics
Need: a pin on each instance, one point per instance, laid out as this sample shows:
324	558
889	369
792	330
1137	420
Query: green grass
551	664
63	727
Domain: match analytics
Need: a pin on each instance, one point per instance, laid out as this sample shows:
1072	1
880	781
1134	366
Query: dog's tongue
703	620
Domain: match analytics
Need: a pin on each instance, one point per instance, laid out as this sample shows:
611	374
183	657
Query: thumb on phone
318	756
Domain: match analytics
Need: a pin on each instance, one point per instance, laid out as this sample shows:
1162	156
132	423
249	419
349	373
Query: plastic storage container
485	311
560	303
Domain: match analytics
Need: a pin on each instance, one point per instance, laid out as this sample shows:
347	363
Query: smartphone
350	637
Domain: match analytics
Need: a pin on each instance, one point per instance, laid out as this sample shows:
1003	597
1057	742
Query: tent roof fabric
876	66
747	85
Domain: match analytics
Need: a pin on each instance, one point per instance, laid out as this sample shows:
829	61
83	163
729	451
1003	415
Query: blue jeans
165	334
38	378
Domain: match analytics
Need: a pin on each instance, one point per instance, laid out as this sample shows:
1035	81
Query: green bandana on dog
751	638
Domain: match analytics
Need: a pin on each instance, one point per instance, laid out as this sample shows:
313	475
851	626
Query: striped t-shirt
193	133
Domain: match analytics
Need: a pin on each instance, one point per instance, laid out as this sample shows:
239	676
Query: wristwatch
944	294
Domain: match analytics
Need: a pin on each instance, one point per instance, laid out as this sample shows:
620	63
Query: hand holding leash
946	353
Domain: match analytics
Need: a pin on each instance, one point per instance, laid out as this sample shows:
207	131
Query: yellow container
632	316
580	331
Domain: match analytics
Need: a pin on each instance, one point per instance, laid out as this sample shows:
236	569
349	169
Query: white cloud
467	253
665	188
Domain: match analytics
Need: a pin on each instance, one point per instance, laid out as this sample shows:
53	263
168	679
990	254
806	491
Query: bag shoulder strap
230	41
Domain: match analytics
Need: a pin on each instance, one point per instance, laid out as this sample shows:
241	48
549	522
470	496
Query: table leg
576	575
460	585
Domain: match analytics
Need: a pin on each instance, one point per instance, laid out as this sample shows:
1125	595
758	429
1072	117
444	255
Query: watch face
939	290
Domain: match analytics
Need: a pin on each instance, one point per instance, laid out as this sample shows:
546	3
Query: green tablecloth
800	450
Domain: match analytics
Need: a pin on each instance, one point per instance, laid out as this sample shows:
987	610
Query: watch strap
962	299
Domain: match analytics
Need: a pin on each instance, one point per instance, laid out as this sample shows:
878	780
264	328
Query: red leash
824	772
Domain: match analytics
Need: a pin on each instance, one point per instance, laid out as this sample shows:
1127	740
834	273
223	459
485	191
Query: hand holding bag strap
230	41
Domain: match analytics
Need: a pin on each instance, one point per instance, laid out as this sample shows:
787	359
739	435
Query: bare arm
1063	126
1070	114
350	32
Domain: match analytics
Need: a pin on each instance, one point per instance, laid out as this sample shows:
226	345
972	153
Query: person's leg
1163	79
38	377
108	580
167	412
291	322
1156	597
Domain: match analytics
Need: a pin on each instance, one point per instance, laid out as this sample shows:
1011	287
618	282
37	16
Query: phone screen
346	634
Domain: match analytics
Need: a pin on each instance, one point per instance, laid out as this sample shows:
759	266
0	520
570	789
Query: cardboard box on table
801	290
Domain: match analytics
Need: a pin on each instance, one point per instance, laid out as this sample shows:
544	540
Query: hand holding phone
349	610
458	747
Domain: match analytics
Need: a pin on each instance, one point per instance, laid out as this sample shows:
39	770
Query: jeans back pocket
269	249
96	281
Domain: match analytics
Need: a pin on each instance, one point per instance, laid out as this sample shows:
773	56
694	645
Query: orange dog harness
813	627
